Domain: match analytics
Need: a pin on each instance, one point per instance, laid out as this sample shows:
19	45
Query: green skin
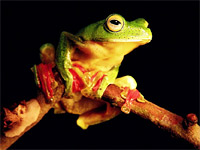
97	48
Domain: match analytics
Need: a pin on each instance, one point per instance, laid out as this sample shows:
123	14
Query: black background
166	70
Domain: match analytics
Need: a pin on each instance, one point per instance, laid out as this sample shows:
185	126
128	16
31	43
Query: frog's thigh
97	115
126	81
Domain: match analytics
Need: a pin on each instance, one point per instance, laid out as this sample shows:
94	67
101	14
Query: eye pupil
115	22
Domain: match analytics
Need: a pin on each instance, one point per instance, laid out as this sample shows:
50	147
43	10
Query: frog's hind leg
98	115
90	111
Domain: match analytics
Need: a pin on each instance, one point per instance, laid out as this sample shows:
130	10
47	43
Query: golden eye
114	23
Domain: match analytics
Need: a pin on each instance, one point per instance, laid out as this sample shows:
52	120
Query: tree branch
185	128
6	142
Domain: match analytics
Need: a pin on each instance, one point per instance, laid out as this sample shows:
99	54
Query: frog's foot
129	93
93	81
44	79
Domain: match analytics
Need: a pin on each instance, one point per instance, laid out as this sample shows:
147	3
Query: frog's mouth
142	41
131	39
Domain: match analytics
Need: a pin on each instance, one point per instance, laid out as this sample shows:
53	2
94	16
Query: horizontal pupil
115	22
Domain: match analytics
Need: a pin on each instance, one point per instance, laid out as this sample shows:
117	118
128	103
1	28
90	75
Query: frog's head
115	29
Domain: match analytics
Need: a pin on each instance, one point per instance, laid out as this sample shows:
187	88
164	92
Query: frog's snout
146	24
142	22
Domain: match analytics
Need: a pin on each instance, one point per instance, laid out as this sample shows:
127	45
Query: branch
187	128
6	142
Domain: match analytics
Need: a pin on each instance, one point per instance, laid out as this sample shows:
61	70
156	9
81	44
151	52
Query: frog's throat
103	50
102	54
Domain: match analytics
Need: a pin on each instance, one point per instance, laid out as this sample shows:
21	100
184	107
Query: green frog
89	61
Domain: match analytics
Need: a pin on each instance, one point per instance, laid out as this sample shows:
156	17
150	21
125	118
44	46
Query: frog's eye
114	23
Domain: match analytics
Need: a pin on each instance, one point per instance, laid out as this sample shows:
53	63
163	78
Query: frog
89	62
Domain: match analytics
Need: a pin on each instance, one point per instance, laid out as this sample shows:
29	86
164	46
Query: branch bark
185	128
6	142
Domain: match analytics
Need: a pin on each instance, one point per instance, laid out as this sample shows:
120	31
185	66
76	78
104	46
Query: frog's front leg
98	82
129	93
43	73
